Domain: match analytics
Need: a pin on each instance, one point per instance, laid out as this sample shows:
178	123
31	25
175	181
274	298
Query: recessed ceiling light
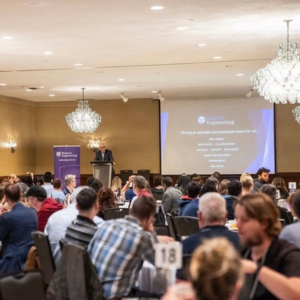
28	90
239	74
3	84
154	92
48	53
217	57
157	7
7	38
51	95
121	79
202	45
77	65
182	28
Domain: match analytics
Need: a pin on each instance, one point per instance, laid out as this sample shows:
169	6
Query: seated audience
262	178
82	229
270	190
106	199
215	272
193	191
234	191
70	184
59	221
279	183
171	195
116	185
197	178
57	193
217	175
212	218
132	238
39	180
182	183
96	185
272	266
157	183
28	179
127	192
11	178
23	189
15	231
247	184
45	207
89	180
191	209
290	233
47	184
223	187
212	181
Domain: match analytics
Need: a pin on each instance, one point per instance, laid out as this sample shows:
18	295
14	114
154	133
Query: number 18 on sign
168	256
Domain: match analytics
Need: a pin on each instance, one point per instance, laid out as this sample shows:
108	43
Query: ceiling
125	39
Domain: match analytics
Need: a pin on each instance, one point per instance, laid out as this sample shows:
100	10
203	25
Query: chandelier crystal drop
83	119
279	81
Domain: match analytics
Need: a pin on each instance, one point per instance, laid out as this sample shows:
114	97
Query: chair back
115	213
124	175
171	227
76	277
185	226
158	196
22	286
44	255
162	230
145	173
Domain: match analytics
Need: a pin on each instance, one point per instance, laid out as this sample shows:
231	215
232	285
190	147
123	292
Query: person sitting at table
116	185
106	199
82	229
133	238
211	218
158	188
215	273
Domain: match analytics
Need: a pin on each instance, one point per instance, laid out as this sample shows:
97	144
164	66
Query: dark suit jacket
107	156
15	233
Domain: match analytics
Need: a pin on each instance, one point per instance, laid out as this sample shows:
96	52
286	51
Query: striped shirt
118	250
80	231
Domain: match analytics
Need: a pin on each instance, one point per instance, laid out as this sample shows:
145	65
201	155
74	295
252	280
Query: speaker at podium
102	170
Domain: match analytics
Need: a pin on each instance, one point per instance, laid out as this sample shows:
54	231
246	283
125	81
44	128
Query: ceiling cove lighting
48	53
279	81
217	57
7	38
202	45
83	119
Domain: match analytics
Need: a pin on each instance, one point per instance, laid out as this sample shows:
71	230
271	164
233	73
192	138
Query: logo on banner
201	120
58	154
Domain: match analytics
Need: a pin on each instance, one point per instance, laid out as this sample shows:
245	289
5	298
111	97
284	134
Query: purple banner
67	162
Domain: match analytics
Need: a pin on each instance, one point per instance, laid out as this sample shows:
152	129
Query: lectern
102	170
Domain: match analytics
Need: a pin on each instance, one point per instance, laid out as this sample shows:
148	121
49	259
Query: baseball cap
37	191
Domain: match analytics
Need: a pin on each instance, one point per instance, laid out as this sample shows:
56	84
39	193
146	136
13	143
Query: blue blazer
15	234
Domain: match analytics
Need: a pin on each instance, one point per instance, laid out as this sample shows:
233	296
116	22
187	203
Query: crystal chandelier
83	119
279	81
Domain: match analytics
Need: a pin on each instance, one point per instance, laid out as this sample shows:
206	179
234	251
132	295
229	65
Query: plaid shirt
118	250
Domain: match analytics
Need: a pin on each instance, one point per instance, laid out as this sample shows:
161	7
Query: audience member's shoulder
283	248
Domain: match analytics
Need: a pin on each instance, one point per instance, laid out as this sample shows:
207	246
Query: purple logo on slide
201	120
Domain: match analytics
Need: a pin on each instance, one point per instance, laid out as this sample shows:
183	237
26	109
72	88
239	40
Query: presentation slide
230	136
